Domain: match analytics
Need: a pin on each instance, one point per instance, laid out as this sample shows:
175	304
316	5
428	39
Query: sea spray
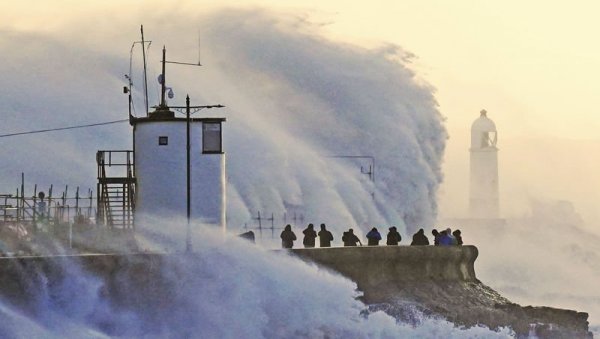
319	99
546	258
293	99
226	288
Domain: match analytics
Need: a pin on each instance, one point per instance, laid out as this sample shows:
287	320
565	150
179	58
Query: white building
483	199
161	167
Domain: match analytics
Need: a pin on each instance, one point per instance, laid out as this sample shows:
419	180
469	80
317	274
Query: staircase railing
116	188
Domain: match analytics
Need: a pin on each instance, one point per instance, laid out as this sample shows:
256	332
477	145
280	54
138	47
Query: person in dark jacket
436	237
419	239
309	236
393	237
350	239
451	236
325	237
445	240
287	237
373	237
458	237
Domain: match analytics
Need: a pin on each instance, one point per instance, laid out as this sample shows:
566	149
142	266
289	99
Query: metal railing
116	188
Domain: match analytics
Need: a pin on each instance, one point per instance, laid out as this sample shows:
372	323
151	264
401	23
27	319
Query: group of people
447	237
444	238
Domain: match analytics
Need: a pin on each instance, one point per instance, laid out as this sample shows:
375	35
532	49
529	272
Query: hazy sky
532	64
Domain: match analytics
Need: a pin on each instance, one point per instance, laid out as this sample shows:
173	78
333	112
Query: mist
293	99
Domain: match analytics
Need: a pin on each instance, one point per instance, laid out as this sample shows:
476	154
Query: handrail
116	158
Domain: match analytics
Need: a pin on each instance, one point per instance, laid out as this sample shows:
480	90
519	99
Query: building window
211	137
163	141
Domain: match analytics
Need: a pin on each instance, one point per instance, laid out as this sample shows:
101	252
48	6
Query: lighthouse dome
483	133
483	123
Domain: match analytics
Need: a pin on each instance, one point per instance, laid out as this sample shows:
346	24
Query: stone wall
379	271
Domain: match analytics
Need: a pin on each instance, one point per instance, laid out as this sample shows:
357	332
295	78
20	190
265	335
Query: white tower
161	168
483	202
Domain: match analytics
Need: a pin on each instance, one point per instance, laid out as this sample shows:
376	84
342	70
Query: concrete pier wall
378	271
381	271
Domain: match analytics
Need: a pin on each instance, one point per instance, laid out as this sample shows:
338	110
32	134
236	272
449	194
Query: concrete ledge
372	266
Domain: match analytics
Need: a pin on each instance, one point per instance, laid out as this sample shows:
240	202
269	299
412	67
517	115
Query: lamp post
188	146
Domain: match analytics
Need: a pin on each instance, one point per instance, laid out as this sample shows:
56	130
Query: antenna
127	90
189	63
145	77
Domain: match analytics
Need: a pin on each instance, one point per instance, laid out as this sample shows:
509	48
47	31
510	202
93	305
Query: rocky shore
441	282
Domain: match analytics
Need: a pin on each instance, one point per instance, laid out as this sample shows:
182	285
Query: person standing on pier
458	237
350	239
309	236
287	237
420	239
436	237
325	237
373	237
393	237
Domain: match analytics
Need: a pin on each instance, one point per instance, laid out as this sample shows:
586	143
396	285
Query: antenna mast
164	80
145	73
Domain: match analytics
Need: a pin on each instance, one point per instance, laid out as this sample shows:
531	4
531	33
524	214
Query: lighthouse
483	200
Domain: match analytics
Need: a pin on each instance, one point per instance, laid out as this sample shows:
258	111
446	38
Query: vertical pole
259	225
145	76
89	212
65	195
49	202
77	202
188	244
34	204
75	218
65	204
18	208
164	79
23	195
373	159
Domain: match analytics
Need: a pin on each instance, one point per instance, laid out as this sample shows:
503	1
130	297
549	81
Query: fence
265	223
19	208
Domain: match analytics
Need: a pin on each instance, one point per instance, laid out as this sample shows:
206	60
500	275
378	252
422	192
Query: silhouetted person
445	240
350	239
393	237
458	237
373	237
248	236
452	238
41	206
436	237
309	236
419	239
325	237
287	237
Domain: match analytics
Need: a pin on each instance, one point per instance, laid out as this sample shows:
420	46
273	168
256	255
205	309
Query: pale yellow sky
533	65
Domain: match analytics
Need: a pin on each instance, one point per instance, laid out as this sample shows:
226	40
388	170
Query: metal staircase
116	189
